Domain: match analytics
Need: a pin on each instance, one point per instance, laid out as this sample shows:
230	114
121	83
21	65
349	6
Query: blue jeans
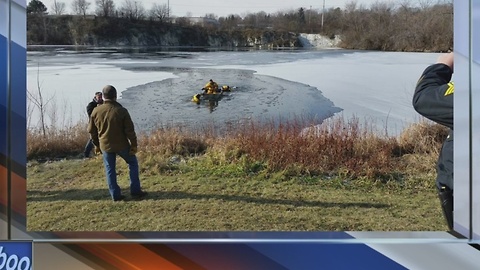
109	162
88	148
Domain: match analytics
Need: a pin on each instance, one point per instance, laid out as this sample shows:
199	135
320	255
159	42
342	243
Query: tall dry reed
336	145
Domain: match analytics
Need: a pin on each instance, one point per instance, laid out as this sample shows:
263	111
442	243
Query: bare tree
250	20
80	7
404	6
424	4
259	19
40	103
160	12
58	8
132	10
351	6
105	8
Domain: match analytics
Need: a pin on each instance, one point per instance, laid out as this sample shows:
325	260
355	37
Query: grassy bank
259	177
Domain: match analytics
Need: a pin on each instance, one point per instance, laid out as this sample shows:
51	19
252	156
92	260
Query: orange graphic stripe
129	256
18	193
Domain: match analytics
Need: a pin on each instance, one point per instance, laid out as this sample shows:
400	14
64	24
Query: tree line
130	9
404	26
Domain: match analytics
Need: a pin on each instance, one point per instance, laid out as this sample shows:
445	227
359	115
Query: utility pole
309	16
323	12
168	10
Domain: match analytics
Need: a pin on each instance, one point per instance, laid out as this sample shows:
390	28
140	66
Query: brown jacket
111	127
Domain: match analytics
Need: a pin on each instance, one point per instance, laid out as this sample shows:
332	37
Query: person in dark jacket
97	100
113	133
433	99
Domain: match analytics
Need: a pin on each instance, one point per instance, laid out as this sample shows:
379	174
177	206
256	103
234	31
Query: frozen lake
157	86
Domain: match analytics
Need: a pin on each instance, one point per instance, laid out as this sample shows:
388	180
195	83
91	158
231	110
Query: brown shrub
172	141
320	149
425	137
336	146
57	143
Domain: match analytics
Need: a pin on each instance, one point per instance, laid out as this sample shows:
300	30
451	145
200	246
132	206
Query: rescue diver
211	87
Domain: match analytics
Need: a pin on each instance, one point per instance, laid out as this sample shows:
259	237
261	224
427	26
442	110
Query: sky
221	8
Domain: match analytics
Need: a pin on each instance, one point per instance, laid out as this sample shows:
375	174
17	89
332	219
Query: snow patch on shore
318	41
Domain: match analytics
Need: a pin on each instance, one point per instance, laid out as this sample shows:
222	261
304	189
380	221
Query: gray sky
198	8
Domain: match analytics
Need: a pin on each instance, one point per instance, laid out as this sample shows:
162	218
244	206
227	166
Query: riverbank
341	178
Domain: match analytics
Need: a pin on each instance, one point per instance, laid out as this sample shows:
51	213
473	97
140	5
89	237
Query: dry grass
335	176
56	143
331	148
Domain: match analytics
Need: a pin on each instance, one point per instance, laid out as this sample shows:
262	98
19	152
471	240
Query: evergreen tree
301	16
36	7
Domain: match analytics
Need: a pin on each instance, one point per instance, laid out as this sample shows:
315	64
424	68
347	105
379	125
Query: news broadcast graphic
475	85
466	118
13	119
4	20
216	250
15	255
232	256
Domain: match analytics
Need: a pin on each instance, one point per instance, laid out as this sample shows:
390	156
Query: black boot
445	194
